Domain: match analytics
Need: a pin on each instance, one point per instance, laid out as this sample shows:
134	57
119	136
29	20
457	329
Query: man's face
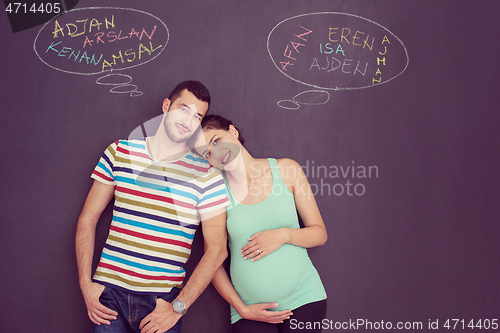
183	116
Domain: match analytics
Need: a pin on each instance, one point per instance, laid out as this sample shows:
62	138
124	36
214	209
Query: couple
162	190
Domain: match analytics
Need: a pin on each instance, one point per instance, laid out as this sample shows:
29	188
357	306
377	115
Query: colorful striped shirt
156	213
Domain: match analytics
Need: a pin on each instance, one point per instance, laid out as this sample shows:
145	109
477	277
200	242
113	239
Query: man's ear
166	105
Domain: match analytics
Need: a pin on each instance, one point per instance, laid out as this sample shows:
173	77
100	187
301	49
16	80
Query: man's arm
215	236
98	198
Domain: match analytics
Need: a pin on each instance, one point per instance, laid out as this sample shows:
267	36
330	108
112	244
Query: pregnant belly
272	278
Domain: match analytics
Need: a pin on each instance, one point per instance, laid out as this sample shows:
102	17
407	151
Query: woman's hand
265	242
260	312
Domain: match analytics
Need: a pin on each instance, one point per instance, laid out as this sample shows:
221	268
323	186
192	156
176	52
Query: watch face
178	306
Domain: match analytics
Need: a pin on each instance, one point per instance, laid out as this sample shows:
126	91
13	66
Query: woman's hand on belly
260	312
264	243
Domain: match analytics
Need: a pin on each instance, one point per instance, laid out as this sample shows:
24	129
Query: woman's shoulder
287	162
289	169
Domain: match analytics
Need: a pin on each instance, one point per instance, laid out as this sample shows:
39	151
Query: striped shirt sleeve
103	171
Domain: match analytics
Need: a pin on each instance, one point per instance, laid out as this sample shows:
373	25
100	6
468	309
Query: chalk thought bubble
336	51
94	40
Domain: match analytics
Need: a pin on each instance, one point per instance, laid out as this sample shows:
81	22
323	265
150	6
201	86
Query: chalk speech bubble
336	51
94	40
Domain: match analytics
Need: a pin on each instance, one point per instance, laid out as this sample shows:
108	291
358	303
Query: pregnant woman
274	287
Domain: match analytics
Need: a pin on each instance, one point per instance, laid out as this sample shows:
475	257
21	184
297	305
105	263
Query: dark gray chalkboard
391	107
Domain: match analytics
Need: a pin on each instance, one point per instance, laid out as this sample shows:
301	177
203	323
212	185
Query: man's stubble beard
171	135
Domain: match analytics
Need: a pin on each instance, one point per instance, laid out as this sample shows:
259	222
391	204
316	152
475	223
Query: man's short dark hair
195	87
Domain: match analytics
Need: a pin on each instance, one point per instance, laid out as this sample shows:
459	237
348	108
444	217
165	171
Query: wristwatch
179	306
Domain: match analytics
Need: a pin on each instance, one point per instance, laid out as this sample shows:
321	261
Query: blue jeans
131	308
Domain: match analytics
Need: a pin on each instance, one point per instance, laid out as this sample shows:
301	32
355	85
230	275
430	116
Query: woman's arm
314	231
257	312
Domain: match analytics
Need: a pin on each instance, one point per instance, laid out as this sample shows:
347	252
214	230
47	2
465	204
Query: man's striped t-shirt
156	213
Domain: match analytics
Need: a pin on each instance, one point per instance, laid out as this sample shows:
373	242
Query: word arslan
111	35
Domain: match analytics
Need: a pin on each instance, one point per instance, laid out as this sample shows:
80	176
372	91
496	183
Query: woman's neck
246	170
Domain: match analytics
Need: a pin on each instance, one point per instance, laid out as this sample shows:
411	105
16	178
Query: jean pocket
105	290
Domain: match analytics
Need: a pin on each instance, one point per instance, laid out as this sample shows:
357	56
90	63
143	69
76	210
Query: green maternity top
285	276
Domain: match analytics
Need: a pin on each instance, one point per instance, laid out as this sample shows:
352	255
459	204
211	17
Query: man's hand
161	319
98	313
259	312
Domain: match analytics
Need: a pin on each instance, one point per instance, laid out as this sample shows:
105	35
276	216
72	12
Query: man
161	191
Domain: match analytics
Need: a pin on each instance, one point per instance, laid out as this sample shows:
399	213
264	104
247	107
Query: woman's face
222	148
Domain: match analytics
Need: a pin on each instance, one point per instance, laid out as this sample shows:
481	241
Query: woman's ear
234	131
166	105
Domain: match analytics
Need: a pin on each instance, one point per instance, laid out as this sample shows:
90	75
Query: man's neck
161	148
